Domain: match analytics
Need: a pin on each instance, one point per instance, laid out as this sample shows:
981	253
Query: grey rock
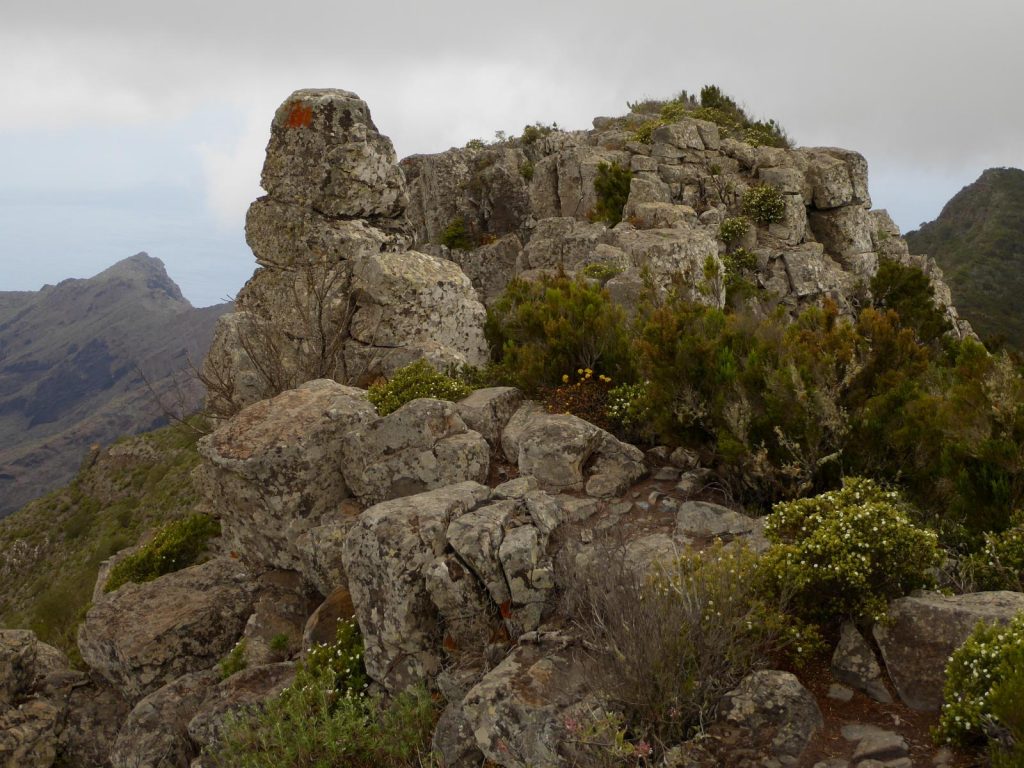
283	603
466	610
845	232
702	519
325	152
491	267
146	635
487	411
275	469
517	488
854	663
476	536
883	746
155	733
385	557
28	734
529	574
921	633
840	692
321	628
423	445
776	707
320	548
454	739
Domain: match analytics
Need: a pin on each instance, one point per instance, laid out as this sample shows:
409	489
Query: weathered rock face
514	711
921	632
276	468
386	555
146	635
325	153
421	446
155	733
242	691
29	720
566	453
339	294
854	663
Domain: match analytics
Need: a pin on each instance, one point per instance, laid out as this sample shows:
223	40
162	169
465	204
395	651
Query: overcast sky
133	125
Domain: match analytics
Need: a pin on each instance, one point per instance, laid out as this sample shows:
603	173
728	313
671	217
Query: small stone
942	756
859	731
667	474
516	488
884	745
840	692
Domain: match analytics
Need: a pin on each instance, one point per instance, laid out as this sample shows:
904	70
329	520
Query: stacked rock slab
338	294
685	182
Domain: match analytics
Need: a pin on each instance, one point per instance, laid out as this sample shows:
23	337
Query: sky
133	125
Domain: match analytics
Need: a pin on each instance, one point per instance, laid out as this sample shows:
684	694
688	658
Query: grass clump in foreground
175	546
327	717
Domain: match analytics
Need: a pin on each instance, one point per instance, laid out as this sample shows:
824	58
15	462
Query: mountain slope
70	362
978	240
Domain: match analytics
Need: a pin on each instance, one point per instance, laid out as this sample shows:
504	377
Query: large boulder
386	557
275	629
566	453
921	632
28	734
854	663
236	695
777	712
146	635
425	444
326	153
276	468
155	733
515	711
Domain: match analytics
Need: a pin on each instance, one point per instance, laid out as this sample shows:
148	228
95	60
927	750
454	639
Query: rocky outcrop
425	444
275	469
146	635
338	293
921	633
854	663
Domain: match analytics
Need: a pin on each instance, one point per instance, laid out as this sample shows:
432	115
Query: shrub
526	170
1000	562
764	204
457	236
644	132
628	408
415	380
849	551
612	188
585	397
326	718
601	271
540	330
234	662
733	229
670	644
174	547
983	685
908	291
533	133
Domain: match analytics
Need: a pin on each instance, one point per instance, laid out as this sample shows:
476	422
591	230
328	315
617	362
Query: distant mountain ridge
978	240
70	362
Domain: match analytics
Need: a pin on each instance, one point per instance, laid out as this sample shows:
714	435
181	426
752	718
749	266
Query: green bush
526	170
733	229
174	547
983	686
908	291
327	718
612	187
457	235
234	662
764	204
415	380
999	564
538	331
849	552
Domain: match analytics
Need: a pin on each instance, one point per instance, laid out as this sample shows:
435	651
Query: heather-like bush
732	229
327	718
908	291
601	271
457	235
984	688
849	552
175	546
612	188
671	642
539	331
764	204
415	380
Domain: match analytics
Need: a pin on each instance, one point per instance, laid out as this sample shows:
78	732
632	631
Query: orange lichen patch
449	644
300	116
506	610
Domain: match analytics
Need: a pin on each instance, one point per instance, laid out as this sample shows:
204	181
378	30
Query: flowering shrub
733	228
628	409
1000	562
601	271
764	204
175	546
328	717
848	552
415	380
983	677
585	397
234	662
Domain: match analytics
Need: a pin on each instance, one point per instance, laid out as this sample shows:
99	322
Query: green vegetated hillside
51	550
978	240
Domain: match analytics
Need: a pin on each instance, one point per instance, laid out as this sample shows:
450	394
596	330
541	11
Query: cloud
231	171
